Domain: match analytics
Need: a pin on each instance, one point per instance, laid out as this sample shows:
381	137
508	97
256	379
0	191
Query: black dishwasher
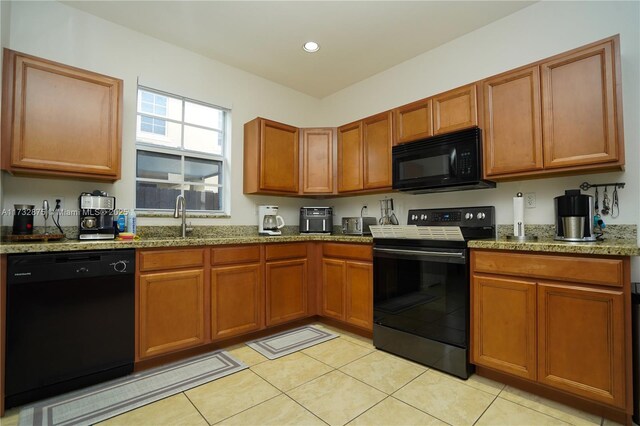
70	321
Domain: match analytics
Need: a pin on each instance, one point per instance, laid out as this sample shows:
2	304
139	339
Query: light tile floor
346	381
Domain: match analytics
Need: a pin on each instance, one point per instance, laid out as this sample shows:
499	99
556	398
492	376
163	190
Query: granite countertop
71	245
608	247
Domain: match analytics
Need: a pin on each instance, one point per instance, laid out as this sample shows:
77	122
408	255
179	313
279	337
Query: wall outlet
52	202
530	200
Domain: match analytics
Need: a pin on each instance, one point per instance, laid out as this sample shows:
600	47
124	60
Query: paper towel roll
518	216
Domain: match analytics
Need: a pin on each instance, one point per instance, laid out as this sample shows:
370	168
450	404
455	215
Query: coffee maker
269	223
96	216
574	217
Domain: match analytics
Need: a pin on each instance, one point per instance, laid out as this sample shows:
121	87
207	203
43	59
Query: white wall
57	32
536	32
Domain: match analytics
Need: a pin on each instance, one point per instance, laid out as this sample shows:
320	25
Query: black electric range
421	289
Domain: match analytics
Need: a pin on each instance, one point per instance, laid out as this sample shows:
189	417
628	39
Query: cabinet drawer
285	251
350	251
170	259
584	270
233	255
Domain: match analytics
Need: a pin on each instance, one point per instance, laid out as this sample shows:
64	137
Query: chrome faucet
181	209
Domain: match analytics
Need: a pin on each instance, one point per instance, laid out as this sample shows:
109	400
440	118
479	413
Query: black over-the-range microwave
448	162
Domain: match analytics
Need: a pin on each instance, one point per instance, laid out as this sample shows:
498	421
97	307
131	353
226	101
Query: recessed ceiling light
311	46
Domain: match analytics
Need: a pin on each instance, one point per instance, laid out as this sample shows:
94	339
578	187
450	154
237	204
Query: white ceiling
358	38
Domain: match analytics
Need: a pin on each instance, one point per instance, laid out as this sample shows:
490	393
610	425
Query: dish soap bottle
131	225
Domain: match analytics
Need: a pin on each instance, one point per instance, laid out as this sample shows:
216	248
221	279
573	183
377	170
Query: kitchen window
180	149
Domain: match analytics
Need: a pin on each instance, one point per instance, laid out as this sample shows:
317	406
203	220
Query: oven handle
455	255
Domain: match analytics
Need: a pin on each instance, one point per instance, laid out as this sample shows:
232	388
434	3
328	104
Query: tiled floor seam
297	386
248	408
413	406
485	410
285	394
370	408
546	414
337	368
194	406
302	384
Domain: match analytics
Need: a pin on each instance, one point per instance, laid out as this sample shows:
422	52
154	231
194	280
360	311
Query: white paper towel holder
521	238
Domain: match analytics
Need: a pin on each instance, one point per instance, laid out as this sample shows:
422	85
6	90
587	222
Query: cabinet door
317	161
413	121
581	342
377	143
350	172
504	325
278	157
171	311
333	289
513	124
359	292
237	296
286	283
579	108
60	120
454	110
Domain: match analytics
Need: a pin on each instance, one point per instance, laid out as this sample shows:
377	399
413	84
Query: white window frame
181	152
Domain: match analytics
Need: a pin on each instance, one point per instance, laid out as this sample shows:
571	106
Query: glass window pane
154	165
159	104
156	195
202	170
203	115
202	140
158	132
200	197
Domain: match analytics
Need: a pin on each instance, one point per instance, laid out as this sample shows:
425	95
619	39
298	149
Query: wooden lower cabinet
333	288
237	300
504	325
565	333
171	311
286	291
359	294
581	341
347	284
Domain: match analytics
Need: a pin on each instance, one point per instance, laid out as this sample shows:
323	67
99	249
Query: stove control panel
467	217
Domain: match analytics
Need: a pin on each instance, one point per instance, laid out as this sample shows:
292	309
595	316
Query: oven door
423	291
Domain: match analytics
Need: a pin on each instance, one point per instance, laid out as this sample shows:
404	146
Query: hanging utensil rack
585	186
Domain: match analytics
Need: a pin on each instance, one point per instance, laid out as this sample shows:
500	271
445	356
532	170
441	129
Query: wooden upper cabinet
581	99
581	339
377	141
350	149
456	109
270	157
413	121
59	121
512	122
317	161
504	325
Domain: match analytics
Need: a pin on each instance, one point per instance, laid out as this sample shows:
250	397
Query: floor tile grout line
194	406
249	408
305	408
419	409
316	378
485	410
370	408
298	385
547	414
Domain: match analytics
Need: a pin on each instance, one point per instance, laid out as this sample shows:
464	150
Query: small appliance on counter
95	221
358	225
387	216
23	219
316	220
269	223
574	217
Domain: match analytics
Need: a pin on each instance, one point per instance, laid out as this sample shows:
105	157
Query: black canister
23	219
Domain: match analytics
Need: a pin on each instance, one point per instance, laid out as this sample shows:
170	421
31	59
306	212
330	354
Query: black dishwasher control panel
29	268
